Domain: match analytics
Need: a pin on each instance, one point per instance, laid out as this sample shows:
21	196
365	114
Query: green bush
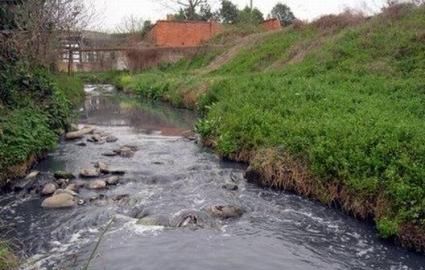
24	132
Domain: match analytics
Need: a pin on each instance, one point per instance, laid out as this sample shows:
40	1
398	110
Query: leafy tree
283	13
251	16
228	12
147	26
205	12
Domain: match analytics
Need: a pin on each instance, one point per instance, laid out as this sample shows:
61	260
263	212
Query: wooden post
70	60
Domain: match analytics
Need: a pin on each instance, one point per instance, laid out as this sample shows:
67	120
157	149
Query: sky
111	12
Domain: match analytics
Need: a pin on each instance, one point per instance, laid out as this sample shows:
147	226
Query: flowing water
168	175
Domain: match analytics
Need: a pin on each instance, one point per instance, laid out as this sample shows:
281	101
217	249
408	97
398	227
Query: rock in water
62	200
73	127
49	189
225	212
103	167
94	138
66	191
111	139
116	171
113	180
148	221
126	152
27	183
63	175
192	219
90	173
78	134
32	175
230	186
110	154
97	184
73	187
81	144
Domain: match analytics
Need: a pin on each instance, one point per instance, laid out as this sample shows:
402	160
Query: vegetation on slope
35	107
334	110
7	260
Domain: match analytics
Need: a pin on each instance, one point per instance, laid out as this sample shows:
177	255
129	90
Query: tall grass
343	96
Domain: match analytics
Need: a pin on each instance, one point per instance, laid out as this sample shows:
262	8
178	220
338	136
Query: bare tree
39	26
187	8
131	25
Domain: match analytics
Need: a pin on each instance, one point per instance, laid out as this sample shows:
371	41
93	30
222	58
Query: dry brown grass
279	170
395	10
348	18
19	170
299	24
412	237
272	168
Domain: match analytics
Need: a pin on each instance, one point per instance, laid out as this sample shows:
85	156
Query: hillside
333	110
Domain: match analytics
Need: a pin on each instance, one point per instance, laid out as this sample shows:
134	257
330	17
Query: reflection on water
147	117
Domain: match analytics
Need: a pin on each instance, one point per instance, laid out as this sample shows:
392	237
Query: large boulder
62	200
90	173
78	134
192	219
96	184
111	139
103	167
133	148
113	180
126	152
94	138
66	191
225	211
73	187
150	221
49	189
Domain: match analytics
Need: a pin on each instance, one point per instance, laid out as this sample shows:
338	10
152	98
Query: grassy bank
333	110
7	260
36	108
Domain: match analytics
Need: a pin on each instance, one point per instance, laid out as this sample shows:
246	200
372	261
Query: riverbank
332	110
38	109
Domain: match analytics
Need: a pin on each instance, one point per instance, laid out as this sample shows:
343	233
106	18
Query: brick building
271	24
172	33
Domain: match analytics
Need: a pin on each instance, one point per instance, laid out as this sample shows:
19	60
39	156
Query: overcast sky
111	12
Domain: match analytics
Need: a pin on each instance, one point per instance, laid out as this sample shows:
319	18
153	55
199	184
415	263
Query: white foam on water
142	229
363	252
58	250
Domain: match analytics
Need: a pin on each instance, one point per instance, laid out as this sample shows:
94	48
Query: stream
170	175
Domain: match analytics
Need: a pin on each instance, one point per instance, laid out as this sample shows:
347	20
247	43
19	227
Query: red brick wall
272	24
183	34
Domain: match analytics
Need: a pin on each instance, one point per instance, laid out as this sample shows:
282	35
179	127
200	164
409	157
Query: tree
228	12
38	27
283	13
251	16
189	9
130	25
147	26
